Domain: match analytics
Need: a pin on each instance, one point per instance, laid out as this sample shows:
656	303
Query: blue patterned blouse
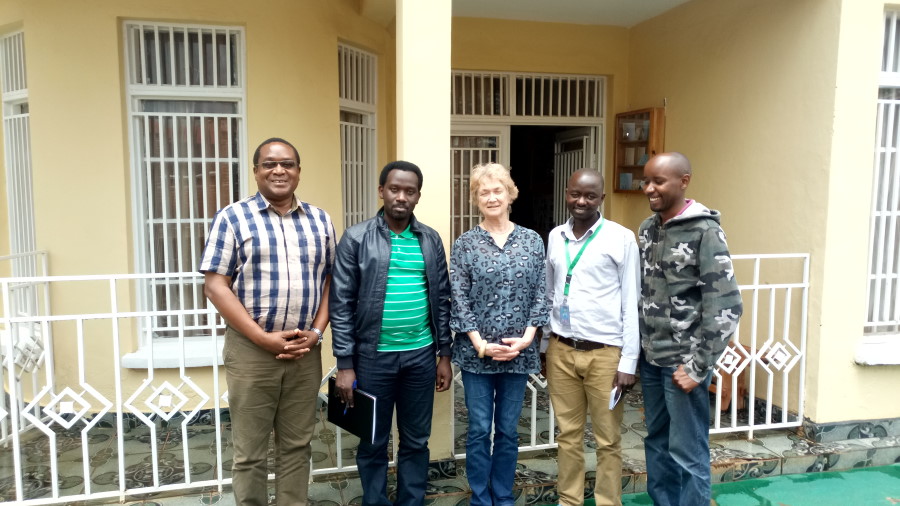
497	292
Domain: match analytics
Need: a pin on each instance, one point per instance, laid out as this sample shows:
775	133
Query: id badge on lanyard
564	316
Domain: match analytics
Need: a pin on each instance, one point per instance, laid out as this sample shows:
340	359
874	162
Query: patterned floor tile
733	457
746	470
739	449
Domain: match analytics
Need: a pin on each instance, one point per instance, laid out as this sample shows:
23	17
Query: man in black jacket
390	314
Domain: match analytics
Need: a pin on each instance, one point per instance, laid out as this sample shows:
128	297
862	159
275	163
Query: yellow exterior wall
844	390
526	46
774	103
79	129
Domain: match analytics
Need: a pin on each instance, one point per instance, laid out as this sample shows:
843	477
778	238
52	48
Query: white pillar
423	103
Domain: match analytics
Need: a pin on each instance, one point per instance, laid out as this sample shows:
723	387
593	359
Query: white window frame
17	150
25	298
191	86
358	92
880	344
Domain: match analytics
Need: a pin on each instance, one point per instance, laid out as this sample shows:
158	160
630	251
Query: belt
579	344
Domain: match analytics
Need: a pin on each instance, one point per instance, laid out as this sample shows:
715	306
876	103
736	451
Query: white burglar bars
883	308
559	96
357	74
185	85
17	151
357	90
479	94
526	96
568	157
467	151
19	197
184	55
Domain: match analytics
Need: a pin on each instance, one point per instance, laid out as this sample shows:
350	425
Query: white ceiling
625	13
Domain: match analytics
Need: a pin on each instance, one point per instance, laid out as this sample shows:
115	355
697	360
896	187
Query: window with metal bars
357	78
186	94
17	161
500	94
883	308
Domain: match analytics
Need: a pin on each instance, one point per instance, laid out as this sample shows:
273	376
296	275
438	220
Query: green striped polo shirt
405	322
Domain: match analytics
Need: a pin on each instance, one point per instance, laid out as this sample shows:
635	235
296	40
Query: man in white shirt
593	279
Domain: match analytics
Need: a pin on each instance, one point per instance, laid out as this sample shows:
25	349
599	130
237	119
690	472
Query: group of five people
668	305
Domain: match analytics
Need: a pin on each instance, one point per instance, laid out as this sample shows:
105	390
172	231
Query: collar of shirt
263	204
406	234
569	234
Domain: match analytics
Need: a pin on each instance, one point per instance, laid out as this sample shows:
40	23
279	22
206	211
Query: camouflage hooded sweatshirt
690	303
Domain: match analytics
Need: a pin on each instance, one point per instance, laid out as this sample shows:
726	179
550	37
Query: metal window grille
17	158
183	55
467	151
883	308
186	99
357	166
568	158
559	96
497	94
480	94
357	78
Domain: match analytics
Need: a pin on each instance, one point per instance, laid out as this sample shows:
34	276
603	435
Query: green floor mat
870	486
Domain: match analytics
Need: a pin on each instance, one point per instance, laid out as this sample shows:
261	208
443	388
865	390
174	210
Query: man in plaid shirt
267	266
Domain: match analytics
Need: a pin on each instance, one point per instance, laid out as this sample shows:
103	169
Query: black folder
358	420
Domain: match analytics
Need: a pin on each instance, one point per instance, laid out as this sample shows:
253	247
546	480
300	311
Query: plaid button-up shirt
277	264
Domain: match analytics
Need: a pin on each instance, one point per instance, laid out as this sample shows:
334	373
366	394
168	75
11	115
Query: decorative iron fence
104	409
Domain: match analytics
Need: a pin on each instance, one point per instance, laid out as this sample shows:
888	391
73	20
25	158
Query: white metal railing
765	363
23	343
80	392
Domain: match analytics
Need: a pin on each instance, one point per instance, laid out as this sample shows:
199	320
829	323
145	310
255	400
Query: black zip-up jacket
359	281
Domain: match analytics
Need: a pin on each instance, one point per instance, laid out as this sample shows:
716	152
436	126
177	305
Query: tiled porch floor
733	458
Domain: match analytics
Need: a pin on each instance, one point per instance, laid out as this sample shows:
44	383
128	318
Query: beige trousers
580	382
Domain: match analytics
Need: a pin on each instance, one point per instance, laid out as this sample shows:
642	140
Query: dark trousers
266	394
404	379
677	442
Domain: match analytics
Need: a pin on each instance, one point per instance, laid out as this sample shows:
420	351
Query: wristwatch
318	333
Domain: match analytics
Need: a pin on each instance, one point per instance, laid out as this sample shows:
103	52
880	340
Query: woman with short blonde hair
493	171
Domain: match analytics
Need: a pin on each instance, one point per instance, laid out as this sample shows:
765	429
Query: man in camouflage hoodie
690	306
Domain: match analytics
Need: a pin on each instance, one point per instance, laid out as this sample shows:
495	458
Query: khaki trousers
265	394
580	381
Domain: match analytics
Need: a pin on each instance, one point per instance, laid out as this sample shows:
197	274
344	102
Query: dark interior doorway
531	160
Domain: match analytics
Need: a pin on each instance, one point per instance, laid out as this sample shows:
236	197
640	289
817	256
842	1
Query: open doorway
541	158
